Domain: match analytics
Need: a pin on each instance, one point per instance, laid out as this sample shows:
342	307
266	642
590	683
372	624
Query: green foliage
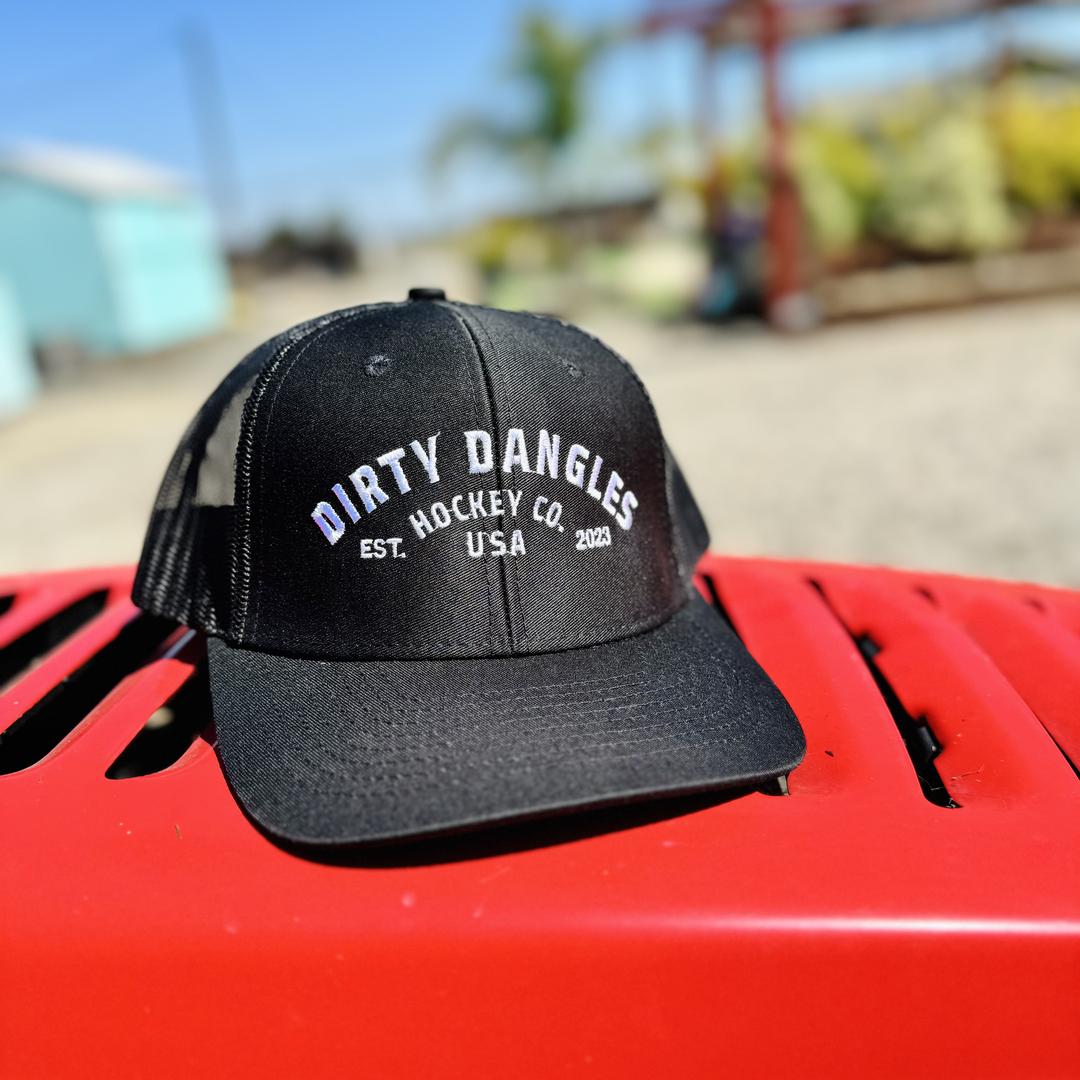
552	62
840	180
943	190
550	65
512	243
1037	129
948	171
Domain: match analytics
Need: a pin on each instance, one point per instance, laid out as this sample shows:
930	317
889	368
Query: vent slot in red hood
920	742
18	655
169	732
39	730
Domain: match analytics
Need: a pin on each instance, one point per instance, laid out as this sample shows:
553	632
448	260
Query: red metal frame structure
861	925
769	25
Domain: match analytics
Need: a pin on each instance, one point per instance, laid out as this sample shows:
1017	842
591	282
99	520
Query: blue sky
334	106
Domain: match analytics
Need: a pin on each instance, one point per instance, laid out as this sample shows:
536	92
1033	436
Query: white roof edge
93	173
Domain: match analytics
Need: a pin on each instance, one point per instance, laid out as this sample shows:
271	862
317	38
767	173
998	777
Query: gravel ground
947	441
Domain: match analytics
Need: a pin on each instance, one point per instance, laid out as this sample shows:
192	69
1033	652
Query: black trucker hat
444	559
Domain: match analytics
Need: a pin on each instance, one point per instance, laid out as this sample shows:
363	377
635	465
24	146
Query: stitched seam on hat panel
490	571
648	401
241	568
497	434
514	603
517	606
240	571
308	342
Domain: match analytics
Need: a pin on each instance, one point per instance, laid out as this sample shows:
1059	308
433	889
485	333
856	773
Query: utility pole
707	126
203	76
789	305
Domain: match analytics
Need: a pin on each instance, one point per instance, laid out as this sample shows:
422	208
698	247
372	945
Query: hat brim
364	752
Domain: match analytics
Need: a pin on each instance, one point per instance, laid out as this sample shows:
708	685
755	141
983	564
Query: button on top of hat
423	292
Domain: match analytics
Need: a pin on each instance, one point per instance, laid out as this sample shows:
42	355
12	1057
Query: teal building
18	375
106	253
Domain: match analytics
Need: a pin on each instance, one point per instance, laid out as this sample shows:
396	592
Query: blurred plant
511	243
954	170
664	154
840	180
943	190
1037	129
551	63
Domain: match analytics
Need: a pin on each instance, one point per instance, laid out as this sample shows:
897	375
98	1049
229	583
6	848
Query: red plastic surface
852	928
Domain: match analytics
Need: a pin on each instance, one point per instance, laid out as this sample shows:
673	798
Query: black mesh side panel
691	534
184	560
185	568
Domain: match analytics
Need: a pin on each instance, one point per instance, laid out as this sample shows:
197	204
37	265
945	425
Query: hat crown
434	480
